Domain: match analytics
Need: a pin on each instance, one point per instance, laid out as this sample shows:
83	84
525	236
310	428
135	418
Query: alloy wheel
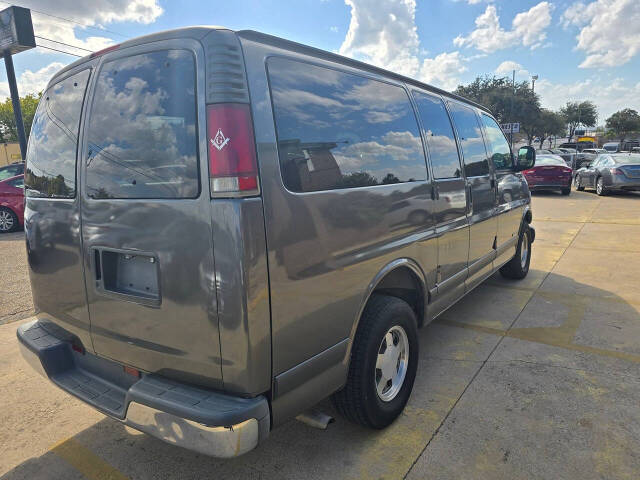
392	363
6	221
524	249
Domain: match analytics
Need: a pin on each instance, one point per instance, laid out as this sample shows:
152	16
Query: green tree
579	113
549	124
624	122
507	102
8	131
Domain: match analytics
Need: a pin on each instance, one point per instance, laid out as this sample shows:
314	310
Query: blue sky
580	50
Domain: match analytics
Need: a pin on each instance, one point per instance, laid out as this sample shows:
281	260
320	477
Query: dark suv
224	228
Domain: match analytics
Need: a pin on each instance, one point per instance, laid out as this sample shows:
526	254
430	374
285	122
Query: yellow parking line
85	461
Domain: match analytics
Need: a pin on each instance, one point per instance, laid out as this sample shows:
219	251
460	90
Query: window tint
338	130
549	160
497	145
51	156
142	131
18	182
11	171
470	138
441	142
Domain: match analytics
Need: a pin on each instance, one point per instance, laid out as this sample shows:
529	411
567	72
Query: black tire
600	188
8	220
514	268
566	191
578	183
359	401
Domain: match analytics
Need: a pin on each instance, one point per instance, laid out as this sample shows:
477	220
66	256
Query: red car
550	172
11	203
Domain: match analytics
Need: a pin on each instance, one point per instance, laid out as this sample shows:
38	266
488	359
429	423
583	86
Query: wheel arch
402	278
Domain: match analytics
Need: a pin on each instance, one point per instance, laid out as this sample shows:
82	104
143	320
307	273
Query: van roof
198	32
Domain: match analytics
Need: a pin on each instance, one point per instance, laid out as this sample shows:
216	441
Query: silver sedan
609	172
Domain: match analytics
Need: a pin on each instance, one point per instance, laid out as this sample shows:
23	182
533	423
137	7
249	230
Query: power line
66	19
56	50
62	43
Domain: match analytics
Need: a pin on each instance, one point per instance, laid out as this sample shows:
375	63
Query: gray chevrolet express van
224	228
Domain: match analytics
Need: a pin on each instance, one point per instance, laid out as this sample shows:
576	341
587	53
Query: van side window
142	131
497	144
339	130
470	138
441	142
51	156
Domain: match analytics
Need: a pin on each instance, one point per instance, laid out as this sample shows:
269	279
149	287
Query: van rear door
52	205
146	213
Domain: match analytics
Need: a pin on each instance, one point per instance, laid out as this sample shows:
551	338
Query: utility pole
16	35
15	101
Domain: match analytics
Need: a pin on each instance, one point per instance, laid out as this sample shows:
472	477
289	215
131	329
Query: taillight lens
529	172
566	170
617	171
233	169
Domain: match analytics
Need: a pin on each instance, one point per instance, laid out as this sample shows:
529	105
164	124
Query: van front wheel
518	267
384	359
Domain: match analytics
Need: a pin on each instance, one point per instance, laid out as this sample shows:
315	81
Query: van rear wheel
518	267
384	360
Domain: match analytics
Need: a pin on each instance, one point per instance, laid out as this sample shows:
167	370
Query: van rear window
51	156
142	130
339	130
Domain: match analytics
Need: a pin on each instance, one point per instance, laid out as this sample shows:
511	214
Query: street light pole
513	94
533	83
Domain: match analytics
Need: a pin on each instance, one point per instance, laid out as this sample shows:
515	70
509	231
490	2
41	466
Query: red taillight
104	50
566	170
132	371
529	172
233	169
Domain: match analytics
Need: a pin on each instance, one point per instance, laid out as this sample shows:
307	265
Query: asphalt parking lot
532	379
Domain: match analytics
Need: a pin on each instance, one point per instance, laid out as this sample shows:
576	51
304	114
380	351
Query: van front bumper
205	421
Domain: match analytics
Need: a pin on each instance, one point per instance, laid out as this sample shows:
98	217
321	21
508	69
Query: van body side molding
296	376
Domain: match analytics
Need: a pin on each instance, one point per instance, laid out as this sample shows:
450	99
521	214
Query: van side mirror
526	158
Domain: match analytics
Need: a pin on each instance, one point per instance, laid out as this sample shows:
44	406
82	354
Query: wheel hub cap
6	221
391	363
524	250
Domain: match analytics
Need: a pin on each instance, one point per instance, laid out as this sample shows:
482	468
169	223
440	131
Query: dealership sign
510	127
16	30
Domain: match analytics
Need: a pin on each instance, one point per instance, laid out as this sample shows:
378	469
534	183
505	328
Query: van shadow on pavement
513	382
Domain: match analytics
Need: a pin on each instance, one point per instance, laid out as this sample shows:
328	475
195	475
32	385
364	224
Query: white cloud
508	66
88	14
608	95
528	29
385	34
443	71
32	82
609	33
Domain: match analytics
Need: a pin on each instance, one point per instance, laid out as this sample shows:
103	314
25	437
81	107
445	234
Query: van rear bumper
202	420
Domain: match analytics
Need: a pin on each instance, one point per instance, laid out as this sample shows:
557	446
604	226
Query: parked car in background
11	170
550	172
569	156
629	145
11	203
170	278
611	147
611	172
